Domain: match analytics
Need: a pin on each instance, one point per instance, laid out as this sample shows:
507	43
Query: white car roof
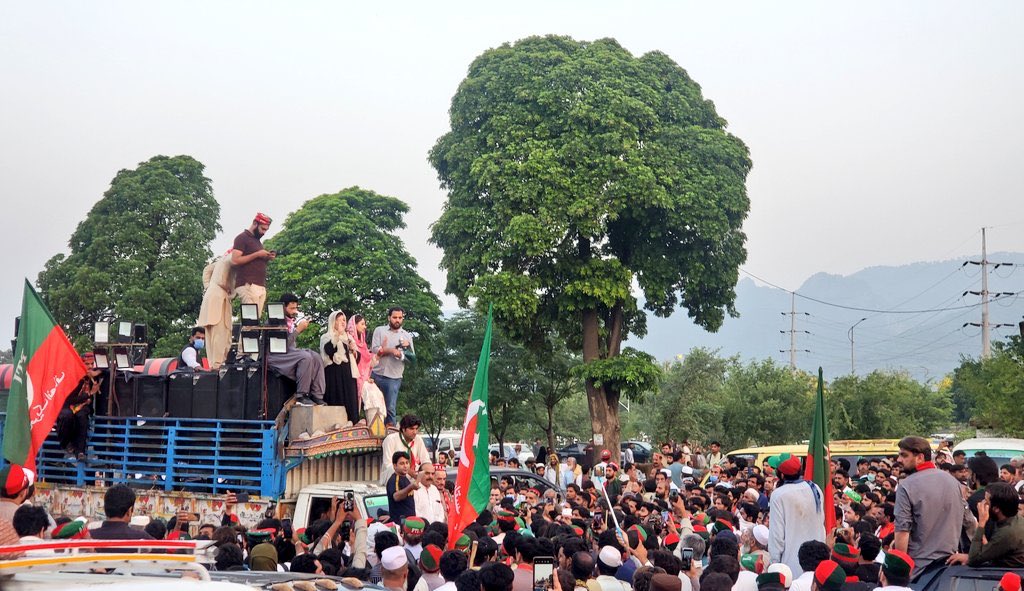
983	443
357	487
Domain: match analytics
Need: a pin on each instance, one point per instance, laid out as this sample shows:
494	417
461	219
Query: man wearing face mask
250	261
189	356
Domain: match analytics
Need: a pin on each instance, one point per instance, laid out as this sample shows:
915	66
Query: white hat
761	535
687	470
394	558
610	556
139	520
780	567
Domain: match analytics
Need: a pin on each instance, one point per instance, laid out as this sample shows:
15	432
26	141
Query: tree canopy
139	254
990	392
576	171
341	252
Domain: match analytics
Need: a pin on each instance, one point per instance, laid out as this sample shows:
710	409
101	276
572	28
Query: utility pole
986	327
792	331
849	333
986	340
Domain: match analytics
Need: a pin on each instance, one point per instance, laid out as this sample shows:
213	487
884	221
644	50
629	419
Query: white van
314	500
1000	449
449	442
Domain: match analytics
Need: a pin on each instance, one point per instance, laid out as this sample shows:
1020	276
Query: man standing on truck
250	261
392	344
930	510
407	439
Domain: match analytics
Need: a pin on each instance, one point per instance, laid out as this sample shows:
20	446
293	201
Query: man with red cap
250	261
895	573
16	487
797	514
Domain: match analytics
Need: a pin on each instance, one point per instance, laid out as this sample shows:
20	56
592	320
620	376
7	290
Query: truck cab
314	501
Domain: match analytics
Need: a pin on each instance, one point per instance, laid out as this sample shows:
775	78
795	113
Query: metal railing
173	454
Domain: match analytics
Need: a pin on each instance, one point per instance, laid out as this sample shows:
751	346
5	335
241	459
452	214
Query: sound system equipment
124	394
179	394
150	395
204	395
231	392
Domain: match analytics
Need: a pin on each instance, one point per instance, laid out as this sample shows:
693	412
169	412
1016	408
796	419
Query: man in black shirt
73	420
400	489
119	505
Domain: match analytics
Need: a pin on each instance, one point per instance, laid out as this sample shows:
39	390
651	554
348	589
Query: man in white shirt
810	554
895	573
189	356
407	439
797	515
428	498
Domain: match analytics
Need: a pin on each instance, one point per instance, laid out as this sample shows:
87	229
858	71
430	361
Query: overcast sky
881	132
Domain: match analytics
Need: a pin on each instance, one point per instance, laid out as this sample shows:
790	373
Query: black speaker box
204	394
231	391
124	394
179	394
253	393
150	396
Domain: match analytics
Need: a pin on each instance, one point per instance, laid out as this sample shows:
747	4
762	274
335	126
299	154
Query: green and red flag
46	370
818	468
473	481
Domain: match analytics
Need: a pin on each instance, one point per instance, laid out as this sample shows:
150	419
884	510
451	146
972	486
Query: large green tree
138	254
691	400
577	173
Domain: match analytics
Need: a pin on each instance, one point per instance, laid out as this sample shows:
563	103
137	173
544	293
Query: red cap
262	218
606	455
1010	582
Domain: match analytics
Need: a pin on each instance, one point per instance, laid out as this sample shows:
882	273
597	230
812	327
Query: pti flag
46	370
473	482
817	468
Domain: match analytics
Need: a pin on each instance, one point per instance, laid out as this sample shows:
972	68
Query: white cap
687	470
780	567
610	556
761	535
394	558
139	520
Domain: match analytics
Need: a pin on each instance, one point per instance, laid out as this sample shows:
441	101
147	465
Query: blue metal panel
175	454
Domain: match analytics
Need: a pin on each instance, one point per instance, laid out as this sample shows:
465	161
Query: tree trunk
550	433
603	403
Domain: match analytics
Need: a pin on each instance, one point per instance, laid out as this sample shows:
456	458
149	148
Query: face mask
199	343
712	478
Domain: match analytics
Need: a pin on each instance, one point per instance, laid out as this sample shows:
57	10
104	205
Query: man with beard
304	366
930	510
250	261
392	344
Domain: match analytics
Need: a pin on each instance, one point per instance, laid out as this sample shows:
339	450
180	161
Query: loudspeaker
179	394
124	394
150	396
253	393
231	391
204	394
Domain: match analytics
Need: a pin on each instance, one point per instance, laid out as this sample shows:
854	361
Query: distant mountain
926	343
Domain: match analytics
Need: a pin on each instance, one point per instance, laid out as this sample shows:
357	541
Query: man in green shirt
999	539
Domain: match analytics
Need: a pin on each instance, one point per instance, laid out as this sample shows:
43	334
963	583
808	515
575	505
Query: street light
849	334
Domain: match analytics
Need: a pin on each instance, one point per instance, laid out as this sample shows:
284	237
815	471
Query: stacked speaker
233	392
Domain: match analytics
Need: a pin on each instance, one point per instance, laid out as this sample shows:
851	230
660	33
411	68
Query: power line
875	310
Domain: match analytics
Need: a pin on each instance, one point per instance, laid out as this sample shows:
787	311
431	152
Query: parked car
519	478
642	451
525	451
580	450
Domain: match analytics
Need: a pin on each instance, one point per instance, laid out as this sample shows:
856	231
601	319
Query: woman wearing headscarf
340	366
357	335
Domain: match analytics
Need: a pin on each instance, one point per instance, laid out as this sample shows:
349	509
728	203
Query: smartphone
350	502
543	572
687	554
242	497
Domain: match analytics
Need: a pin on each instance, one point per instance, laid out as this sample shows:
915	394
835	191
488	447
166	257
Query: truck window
319	508
374	504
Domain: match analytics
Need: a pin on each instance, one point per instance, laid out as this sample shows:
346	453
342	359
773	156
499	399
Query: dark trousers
73	429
